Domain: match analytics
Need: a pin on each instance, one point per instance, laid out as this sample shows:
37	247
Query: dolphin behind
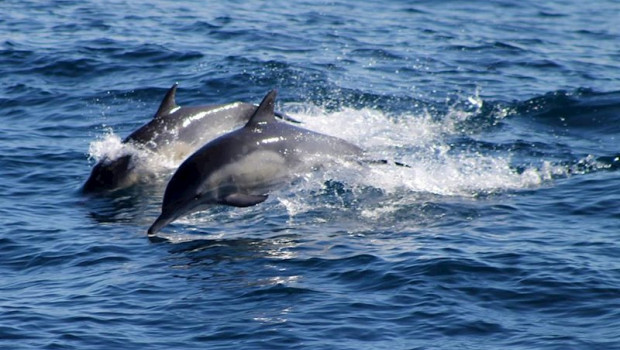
174	132
241	167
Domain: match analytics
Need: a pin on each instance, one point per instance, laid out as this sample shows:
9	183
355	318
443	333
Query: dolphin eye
197	197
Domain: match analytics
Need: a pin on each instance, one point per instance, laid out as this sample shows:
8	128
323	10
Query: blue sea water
503	232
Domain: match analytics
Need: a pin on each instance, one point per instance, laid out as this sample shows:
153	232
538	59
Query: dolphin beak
169	214
162	220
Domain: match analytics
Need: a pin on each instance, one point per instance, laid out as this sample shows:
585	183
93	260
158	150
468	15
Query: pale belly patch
254	171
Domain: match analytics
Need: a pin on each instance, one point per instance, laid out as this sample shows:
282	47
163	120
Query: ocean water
503	232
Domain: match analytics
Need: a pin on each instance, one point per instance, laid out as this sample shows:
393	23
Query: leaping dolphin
241	167
175	132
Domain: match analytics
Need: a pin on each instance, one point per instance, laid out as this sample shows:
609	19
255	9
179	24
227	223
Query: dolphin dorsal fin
265	111
168	104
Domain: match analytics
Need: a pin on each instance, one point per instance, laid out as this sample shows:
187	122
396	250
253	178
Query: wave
580	111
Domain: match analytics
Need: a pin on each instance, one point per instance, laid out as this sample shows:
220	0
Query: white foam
423	142
110	145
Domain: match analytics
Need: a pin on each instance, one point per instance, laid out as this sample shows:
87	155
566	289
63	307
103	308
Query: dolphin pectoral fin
243	200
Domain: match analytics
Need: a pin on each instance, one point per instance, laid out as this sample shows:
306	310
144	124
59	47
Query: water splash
108	145
425	143
437	162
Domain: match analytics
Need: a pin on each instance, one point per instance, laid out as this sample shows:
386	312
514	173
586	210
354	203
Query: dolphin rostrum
174	132
241	167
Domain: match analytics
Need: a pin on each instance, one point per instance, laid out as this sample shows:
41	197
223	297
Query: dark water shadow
122	206
197	250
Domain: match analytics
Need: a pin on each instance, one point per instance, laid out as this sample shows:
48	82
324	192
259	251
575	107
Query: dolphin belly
254	173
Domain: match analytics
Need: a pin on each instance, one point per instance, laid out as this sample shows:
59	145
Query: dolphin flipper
243	200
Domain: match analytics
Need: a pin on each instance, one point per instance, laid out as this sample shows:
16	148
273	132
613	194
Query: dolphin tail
286	117
386	162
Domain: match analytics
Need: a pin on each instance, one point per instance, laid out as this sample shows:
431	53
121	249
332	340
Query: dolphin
175	132
241	167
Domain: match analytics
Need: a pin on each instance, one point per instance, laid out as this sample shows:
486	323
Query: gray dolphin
241	167
175	131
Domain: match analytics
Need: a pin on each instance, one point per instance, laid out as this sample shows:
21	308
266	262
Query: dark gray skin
241	167
175	131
